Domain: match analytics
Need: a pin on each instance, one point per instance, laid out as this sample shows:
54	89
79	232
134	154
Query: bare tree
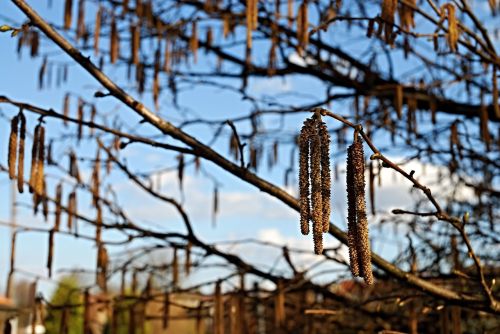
411	82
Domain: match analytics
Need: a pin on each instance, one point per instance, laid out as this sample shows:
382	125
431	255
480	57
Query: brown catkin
34	158
352	229
97	29
45	201
304	185
114	48
453	32
326	179
73	167
50	252
387	15
316	192
80	110
14	125
71	210
20	154
66	108
41	73
80	24
39	186
57	215
363	241
398	101
68	6
135	33
193	41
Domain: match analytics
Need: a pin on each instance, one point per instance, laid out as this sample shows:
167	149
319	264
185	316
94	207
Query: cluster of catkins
314	192
315	179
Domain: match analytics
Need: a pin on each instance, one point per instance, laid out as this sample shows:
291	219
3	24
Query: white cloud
272	85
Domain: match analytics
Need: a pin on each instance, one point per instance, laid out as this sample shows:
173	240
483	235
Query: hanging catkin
387	16
314	179
50	252
68	6
71	210
20	154
304	186
352	229
96	183
81	104
40	174
180	170
114	47
97	29
80	24
303	26
316	189
326	178
14	125
57	215
448	10
135	33
357	205
193	41
45	201
66	108
73	167
34	158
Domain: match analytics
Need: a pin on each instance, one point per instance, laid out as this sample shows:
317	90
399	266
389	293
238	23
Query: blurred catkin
13	147
20	162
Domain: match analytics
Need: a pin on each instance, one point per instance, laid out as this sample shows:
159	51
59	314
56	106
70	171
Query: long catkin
316	196
34	158
39	184
20	154
363	241
325	175
57	216
352	230
50	252
14	125
304	184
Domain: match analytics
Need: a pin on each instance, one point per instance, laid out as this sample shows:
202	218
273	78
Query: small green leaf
15	32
